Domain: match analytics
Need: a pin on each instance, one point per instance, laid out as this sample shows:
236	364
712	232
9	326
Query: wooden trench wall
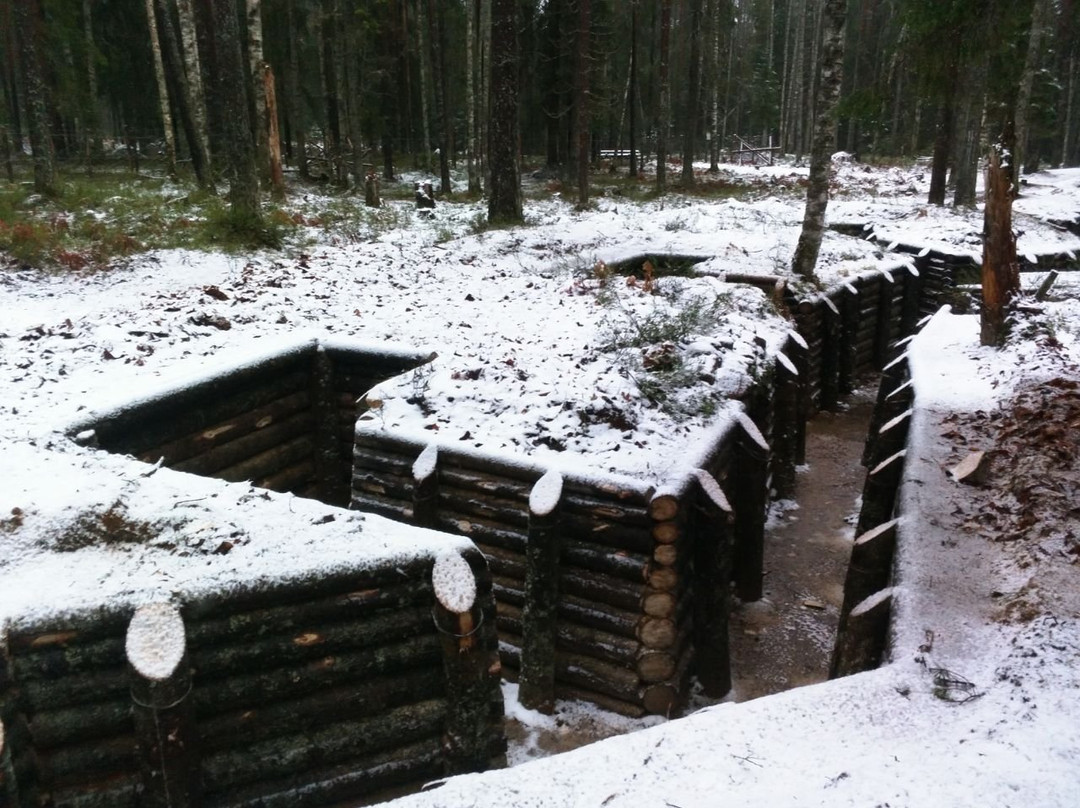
298	693
643	570
285	422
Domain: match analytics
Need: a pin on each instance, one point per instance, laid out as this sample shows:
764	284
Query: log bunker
601	587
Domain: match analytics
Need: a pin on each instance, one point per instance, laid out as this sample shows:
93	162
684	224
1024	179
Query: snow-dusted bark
817	192
163	90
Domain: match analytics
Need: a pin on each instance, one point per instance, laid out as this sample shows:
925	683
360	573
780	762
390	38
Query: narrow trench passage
785	639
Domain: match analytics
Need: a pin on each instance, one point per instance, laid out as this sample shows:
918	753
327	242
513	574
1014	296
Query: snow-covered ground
542	355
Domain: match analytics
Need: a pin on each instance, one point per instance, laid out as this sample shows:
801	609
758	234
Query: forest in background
377	86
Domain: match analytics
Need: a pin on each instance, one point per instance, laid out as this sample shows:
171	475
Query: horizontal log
299	752
659	603
656	666
294	618
308	642
623	564
412	764
629	709
581	671
663	577
290	478
574	609
197	407
663	507
387	484
52	728
372	459
666	554
401	511
492	484
91	687
575	638
76	763
667	532
344	582
592	586
264	687
502	512
603	510
53	661
609	534
181	451
269	462
658	632
667	698
105	791
370	696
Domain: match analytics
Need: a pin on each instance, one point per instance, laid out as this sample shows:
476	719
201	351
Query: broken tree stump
540	614
166	736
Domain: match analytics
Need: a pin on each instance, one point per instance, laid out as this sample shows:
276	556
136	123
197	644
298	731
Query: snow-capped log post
885	323
890	438
909	309
786	423
849	332
540	614
425	473
325	427
749	483
830	354
869	568
860	646
711	521
160	678
469	665
798	350
891	401
879	492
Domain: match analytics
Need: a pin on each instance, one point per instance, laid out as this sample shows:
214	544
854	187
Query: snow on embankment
909	734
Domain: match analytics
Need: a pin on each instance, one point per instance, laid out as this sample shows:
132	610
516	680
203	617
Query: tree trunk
443	84
1000	270
581	100
425	77
817	192
277	180
939	168
664	117
163	90
297	116
631	96
471	25
93	119
233	78
693	92
255	66
196	93
1039	24
504	200
180	91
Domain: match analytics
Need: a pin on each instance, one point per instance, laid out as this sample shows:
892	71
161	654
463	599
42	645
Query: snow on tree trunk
817	192
163	90
1000	270
504	200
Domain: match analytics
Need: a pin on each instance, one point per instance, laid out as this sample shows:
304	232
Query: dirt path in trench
784	640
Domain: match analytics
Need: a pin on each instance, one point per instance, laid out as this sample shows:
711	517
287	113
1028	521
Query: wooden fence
298	693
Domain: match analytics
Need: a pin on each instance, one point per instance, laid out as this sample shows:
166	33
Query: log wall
304	693
284	422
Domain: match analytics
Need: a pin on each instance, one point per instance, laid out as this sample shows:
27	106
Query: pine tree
504	200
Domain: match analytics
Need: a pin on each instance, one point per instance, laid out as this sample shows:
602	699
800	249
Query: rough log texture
879	492
748	482
860	647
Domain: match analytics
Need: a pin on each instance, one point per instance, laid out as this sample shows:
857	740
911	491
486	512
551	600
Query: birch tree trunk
163	91
693	92
27	23
581	101
504	200
232	77
193	72
817	192
664	117
255	67
181	91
